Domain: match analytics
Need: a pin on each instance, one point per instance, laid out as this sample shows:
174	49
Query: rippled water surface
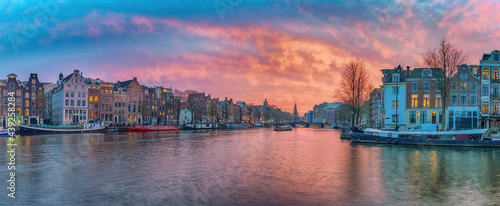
305	166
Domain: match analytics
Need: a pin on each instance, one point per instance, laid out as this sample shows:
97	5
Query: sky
288	51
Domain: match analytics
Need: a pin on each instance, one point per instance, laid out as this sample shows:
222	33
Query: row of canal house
413	97
76	99
28	96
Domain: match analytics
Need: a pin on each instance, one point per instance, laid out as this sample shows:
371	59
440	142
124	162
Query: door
433	117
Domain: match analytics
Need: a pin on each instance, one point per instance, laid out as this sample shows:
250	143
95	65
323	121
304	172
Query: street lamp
397	103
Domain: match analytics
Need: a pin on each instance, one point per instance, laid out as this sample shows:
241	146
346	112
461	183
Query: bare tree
446	56
184	94
354	87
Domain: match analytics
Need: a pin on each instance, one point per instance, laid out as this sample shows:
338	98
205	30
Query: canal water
305	166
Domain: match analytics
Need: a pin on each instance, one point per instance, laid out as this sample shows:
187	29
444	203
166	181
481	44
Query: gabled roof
389	73
419	73
196	96
125	83
67	78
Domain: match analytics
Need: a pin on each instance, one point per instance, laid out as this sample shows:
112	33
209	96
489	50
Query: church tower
295	115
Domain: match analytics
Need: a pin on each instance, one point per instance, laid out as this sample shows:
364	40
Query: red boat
157	128
134	129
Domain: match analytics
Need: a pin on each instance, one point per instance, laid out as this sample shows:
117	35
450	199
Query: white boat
283	128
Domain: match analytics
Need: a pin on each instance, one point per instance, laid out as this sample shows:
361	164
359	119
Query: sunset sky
284	50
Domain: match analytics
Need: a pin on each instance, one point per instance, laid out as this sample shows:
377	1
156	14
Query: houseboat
202	126
157	129
4	132
467	138
47	129
283	128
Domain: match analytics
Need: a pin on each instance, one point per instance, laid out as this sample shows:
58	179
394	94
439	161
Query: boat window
421	136
433	137
475	137
390	134
375	134
448	137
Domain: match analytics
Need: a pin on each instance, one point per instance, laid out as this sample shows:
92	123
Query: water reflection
246	167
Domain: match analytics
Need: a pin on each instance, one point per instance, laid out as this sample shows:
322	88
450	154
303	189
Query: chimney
407	71
135	78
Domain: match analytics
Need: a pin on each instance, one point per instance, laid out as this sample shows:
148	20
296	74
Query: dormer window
395	78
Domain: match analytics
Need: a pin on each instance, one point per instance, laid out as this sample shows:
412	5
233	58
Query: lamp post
397	103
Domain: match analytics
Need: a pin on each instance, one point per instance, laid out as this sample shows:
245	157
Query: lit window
486	73
463	85
438	101
485	108
414	100
426	100
454	85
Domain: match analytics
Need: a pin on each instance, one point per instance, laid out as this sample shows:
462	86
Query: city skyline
286	51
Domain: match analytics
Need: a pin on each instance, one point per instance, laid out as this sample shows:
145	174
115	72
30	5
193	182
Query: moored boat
157	128
467	138
283	128
134	128
46	129
4	133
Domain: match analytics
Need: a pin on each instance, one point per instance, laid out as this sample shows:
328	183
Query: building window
426	100
395	104
486	73
395	90
72	94
485	90
91	106
485	108
413	117
463	75
26	103
68	86
72	102
78	103
27	112
91	98
473	86
454	97
27	95
454	85
494	109
495	74
438	86
495	90
423	117
395	118
438	101
414	100
463	85
427	86
463	98
473	98
66	102
84	103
